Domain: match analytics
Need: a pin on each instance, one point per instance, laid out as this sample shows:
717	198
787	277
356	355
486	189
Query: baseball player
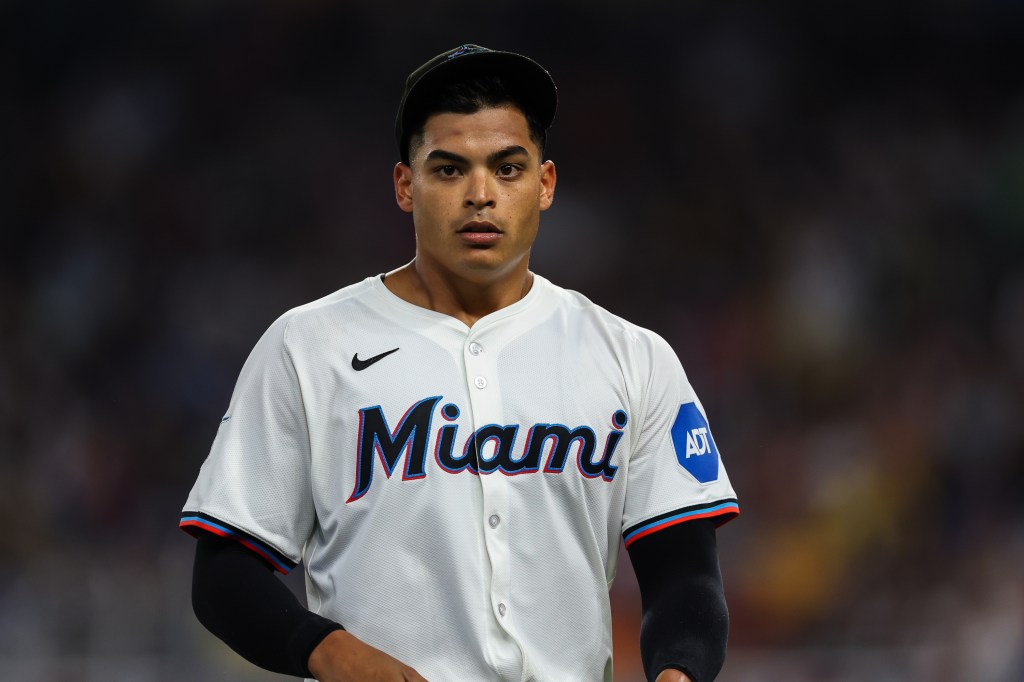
455	451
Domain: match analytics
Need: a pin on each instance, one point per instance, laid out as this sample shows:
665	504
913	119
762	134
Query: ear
403	186
548	178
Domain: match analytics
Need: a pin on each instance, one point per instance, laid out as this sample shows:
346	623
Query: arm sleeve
237	597
255	484
676	474
685	622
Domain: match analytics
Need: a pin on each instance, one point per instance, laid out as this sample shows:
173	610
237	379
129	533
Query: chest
410	414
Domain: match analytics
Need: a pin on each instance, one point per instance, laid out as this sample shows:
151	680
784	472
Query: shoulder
313	322
581	310
341	304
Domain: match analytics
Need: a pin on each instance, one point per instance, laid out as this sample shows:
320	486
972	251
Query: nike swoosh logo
359	365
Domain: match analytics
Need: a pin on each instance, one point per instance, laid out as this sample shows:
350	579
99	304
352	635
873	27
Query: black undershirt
685	623
236	595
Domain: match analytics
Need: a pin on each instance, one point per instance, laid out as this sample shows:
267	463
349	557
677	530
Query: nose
479	192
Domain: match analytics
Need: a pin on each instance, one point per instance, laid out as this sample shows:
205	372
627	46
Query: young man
454	450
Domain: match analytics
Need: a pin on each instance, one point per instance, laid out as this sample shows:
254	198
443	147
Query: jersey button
475	348
501	610
480	382
494	520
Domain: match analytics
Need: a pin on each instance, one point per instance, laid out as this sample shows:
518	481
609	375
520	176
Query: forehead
482	132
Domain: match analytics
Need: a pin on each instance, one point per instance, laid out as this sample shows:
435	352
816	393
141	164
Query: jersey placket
486	406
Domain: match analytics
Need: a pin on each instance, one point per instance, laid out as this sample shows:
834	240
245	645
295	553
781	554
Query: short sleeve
676	473
254	486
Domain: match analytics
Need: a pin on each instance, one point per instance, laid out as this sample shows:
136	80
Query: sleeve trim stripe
726	509
192	521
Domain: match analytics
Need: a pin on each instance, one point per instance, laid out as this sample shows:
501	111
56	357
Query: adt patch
695	448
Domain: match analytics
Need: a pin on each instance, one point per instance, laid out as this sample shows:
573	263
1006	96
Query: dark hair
469	97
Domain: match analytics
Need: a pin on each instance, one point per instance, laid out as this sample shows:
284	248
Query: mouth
480	234
479	227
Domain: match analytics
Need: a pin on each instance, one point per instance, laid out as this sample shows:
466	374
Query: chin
485	266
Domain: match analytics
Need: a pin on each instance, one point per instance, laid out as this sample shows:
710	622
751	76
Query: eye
448	171
508	170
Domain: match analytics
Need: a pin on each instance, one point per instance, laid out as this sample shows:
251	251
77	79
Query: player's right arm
251	512
340	657
236	596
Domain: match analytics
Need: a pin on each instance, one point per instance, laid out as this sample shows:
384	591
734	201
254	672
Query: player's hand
340	657
672	676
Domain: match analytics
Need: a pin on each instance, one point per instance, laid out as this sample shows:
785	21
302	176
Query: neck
465	300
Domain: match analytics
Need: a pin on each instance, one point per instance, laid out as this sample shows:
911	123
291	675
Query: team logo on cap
465	49
695	448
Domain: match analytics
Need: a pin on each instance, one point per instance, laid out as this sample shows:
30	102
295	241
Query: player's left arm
685	620
678	493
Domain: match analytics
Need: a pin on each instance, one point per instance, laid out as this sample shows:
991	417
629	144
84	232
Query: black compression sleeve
236	595
685	621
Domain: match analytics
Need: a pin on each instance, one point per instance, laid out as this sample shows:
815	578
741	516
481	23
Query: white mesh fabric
465	576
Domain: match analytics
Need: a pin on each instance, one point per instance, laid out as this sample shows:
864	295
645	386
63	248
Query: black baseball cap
526	80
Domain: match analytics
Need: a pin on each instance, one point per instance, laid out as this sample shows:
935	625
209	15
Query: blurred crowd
821	207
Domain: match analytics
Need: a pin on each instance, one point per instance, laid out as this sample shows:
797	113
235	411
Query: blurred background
820	205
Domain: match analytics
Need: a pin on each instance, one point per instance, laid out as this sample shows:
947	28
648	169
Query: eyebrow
511	150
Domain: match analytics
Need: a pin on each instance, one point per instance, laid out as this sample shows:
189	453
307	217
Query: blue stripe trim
694	512
284	568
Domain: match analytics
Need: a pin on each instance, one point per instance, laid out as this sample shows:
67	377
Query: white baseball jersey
458	495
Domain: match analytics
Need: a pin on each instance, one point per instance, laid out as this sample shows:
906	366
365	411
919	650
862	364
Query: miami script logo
545	447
